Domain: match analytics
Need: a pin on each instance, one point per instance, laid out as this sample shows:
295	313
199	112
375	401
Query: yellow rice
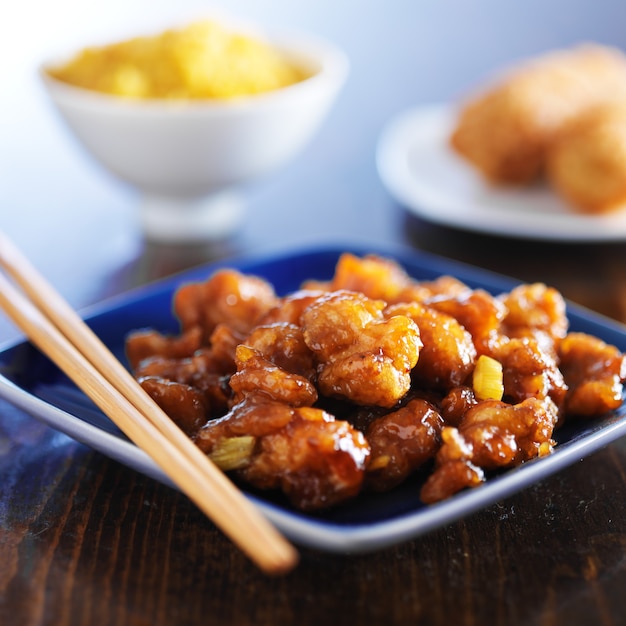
201	61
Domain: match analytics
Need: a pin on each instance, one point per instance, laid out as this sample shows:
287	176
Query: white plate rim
466	201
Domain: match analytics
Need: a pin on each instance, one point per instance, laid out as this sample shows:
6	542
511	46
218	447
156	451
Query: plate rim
400	135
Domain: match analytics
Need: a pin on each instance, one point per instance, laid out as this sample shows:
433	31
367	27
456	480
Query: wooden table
85	540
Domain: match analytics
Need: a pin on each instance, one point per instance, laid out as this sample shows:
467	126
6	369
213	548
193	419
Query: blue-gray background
403	53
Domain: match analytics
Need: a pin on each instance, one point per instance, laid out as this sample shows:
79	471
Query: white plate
423	173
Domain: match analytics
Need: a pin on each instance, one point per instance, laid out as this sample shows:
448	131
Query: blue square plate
371	521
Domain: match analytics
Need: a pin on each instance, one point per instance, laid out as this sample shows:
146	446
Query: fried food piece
384	279
528	371
222	347
594	372
363	355
185	405
228	297
373	276
143	344
535	310
586	164
258	375
456	403
448	353
315	460
290	308
492	435
454	471
506	130
504	434
283	344
479	312
200	371
401	442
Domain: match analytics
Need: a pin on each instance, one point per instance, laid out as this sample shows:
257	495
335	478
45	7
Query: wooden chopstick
59	332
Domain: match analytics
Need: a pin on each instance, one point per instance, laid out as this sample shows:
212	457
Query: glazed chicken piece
401	442
362	354
143	344
384	279
283	344
274	360
535	310
316	460
454	470
594	372
479	312
455	404
227	297
186	406
491	435
290	308
373	276
528	371
258	375
200	371
207	370
214	316
448	353
272	438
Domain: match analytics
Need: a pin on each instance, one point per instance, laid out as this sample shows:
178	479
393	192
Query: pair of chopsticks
58	331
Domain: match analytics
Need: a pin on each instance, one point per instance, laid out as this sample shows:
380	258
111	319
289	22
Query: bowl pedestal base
177	220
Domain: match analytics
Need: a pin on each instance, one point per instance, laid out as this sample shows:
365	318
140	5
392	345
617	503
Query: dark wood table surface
86	540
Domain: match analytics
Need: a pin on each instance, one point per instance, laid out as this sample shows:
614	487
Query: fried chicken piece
375	277
528	371
187	406
479	312
187	360
200	371
455	404
315	460
506	130
228	297
401	442
384	279
290	308
143	344
222	347
535	310
283	344
454	471
442	286
594	372
448	353
362	354
504	435
258	375
492	435
586	163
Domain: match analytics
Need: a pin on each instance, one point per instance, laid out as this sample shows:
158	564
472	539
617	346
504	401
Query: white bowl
188	158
